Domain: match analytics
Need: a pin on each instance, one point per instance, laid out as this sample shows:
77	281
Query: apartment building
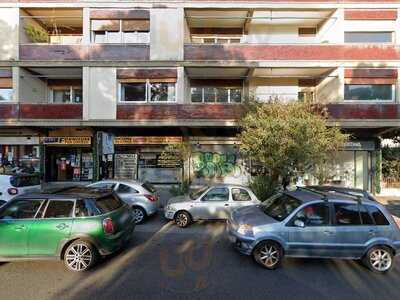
92	89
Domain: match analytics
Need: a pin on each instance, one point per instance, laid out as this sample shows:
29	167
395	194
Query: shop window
369	92
6	94
121	31
66	95
368	37
148	91
216	94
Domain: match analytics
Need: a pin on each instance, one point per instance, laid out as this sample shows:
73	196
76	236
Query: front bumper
169	214
244	244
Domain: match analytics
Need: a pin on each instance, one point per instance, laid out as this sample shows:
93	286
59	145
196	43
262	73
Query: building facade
92	89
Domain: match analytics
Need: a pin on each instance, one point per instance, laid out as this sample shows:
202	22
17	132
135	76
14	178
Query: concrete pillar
86	26
85	93
15	83
180	86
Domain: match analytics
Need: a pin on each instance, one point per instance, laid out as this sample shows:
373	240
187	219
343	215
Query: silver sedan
208	203
141	197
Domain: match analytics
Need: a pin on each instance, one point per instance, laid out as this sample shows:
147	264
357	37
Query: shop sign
106	142
360	145
147	140
74	140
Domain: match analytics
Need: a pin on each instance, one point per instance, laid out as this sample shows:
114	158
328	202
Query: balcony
10	112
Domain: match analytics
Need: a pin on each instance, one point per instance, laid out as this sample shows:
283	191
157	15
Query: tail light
108	226
12	191
151	198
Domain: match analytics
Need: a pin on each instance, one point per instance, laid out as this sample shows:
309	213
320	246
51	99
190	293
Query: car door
352	229
213	205
16	219
310	231
53	227
240	197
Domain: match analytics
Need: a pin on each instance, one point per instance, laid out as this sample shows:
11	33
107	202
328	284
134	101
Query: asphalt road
166	262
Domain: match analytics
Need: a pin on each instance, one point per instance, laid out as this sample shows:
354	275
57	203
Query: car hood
251	215
178	199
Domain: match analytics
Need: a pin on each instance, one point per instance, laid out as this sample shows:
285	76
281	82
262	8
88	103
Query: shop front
68	158
20	153
139	158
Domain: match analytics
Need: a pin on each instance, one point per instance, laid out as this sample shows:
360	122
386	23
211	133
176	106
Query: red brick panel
364	111
370	73
291	52
370	81
8	111
179	112
119	52
146	73
51	111
372	14
109	14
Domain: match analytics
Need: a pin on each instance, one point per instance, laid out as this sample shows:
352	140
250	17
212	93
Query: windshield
197	193
279	206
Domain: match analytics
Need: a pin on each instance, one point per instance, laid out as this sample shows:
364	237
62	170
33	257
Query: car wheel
182	219
268	254
379	259
80	256
139	215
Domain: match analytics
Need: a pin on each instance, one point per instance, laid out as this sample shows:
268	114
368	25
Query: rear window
378	216
149	187
108	204
86	208
24	180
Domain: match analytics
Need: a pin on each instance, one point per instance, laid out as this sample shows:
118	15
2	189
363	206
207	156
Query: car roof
227	185
123	181
75	192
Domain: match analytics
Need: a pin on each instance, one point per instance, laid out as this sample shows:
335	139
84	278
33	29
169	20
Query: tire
182	219
80	256
268	254
139	214
379	259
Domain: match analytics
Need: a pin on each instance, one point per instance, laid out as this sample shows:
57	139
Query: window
240	195
59	209
219	39
103	185
378	216
216	94
371	92
6	94
314	215
99	37
22	209
368	37
217	194
66	95
307	31
347	214
86	208
108	204
280	206
148	92
365	216
123	188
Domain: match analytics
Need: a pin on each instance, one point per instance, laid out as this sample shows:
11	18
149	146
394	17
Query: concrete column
397	88
397	29
15	83
86	26
85	92
180	86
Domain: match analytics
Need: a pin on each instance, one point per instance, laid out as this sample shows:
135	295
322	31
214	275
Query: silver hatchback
312	223
209	203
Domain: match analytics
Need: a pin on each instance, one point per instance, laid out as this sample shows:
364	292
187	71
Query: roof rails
325	194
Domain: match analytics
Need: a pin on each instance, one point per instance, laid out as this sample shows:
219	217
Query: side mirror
299	223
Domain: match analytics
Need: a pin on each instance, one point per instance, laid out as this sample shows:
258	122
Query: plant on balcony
289	139
36	34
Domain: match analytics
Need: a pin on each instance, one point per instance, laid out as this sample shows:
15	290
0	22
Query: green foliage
177	152
36	34
289	139
391	164
263	186
180	189
378	172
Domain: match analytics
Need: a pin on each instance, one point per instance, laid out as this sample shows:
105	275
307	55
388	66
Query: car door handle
61	226
371	232
328	232
226	204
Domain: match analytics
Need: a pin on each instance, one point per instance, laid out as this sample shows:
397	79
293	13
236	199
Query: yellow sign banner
67	140
147	140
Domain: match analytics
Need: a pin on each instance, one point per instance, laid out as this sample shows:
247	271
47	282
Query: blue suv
313	222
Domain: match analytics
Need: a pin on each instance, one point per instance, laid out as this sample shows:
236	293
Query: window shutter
135	25
105	25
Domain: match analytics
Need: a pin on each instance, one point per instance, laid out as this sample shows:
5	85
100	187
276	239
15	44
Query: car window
217	194
103	185
108	204
21	209
125	189
279	206
347	214
149	187
314	215
240	195
59	209
24	180
365	216
86	208
378	216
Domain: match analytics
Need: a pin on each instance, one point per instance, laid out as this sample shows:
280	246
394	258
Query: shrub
263	186
180	189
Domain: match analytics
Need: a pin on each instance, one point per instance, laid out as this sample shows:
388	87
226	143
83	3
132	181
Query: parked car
141	197
208	203
17	184
76	225
310	223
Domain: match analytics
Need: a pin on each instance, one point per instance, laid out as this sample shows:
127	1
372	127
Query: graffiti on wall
216	165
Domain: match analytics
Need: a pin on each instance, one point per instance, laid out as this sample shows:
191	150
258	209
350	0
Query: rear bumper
113	243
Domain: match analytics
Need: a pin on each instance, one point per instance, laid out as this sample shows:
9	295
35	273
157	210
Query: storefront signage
147	140
360	145
106	142
73	140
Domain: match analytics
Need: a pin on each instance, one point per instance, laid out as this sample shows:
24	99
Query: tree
289	139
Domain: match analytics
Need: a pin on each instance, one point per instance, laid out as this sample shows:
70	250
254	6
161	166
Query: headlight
245	229
170	207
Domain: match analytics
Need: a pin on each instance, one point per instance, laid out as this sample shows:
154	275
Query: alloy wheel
269	255
181	220
380	260
138	215
79	257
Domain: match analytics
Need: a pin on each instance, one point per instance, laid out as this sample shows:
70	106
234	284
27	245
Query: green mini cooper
76	225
